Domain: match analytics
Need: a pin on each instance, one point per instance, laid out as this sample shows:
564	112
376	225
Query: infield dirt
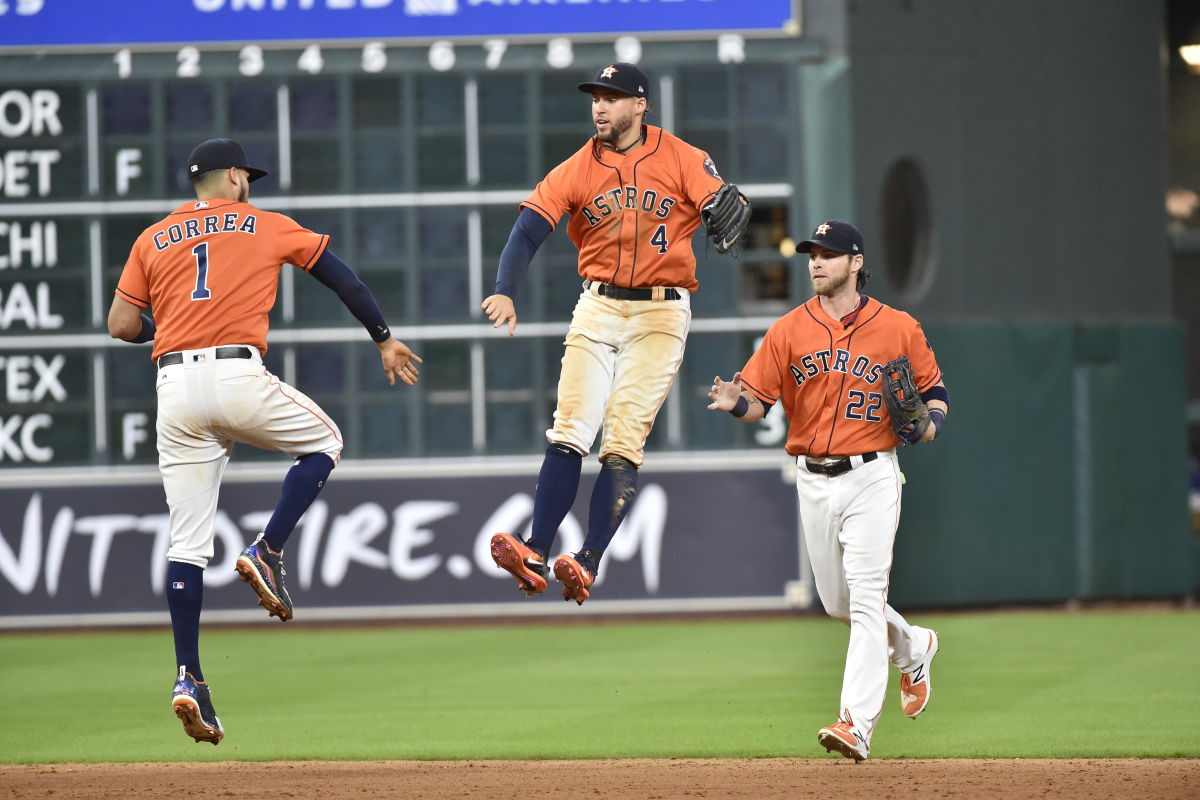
762	779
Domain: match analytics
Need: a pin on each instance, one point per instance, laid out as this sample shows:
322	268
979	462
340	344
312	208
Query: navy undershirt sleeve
936	393
528	233
333	273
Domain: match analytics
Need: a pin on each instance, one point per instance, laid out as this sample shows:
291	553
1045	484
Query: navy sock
301	486
185	596
613	494
557	484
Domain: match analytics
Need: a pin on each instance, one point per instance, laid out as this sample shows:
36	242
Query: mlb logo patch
177	584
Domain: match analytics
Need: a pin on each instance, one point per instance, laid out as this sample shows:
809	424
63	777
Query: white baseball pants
620	359
849	524
205	405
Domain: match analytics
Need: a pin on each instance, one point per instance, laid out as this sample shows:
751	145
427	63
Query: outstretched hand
398	361
725	394
500	309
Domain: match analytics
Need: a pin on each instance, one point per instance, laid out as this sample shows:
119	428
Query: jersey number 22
873	402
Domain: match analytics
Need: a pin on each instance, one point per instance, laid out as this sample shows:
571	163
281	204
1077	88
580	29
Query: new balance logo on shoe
842	737
916	687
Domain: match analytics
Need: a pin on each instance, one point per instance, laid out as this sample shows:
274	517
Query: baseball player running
210	270
835	362
634	195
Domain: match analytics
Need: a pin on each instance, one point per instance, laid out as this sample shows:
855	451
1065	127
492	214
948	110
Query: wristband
937	418
936	393
740	407
146	334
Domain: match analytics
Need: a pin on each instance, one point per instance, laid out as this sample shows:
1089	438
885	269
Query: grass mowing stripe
1030	685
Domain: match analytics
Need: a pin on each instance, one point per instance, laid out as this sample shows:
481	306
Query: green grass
1028	685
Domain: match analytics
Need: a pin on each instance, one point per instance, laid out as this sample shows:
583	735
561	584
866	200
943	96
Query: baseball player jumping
634	194
209	271
840	363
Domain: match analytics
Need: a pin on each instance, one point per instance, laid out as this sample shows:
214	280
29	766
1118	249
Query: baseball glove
910	416
726	217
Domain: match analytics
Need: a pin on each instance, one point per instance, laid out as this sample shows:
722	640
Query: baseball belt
622	293
834	468
221	352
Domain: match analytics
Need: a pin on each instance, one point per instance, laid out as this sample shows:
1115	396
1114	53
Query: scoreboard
409	130
79	23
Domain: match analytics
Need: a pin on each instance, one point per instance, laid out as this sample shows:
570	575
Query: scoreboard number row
442	56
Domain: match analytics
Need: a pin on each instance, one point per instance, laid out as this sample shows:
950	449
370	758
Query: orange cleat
915	686
520	561
843	737
574	577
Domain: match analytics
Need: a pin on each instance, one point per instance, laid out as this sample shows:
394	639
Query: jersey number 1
201	292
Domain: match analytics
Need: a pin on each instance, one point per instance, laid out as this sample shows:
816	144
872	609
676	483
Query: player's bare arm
127	322
726	395
399	362
501	310
124	319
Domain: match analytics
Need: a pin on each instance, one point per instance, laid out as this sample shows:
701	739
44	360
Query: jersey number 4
864	406
201	291
659	239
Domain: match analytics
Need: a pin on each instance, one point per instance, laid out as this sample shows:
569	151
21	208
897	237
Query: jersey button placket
626	254
628	230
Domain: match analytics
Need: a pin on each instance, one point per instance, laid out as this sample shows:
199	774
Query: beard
832	284
244	191
617	128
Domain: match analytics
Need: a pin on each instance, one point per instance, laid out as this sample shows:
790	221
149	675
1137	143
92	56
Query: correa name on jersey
626	198
204	226
861	368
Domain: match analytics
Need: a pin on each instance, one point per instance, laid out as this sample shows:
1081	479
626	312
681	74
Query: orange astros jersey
632	215
828	375
210	271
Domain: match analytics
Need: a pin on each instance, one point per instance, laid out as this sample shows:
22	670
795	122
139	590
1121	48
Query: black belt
835	468
622	293
222	352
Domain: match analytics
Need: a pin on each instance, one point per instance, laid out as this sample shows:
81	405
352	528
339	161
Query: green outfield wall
1062	474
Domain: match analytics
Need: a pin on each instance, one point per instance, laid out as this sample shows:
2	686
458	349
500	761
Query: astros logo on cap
822	229
608	71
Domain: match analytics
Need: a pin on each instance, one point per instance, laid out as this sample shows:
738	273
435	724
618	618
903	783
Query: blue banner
33	23
408	542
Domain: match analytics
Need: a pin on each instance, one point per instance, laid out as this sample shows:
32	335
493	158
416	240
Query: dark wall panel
1042	144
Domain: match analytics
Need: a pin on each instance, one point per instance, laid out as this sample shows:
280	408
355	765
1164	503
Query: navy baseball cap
834	234
219	154
621	77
